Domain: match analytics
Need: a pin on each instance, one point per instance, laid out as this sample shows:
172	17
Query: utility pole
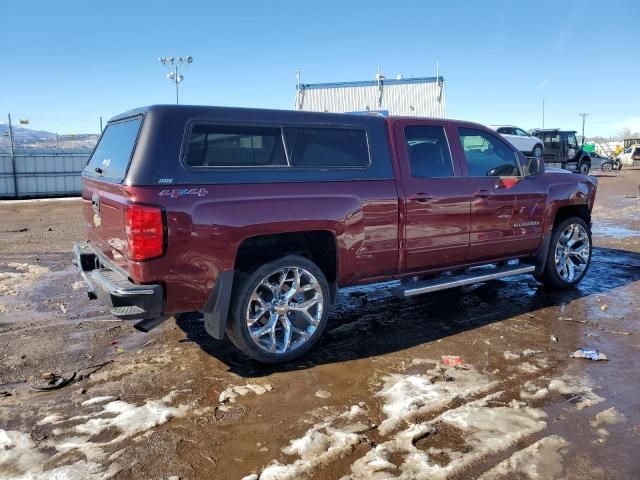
13	158
172	64
100	124
584	116
543	113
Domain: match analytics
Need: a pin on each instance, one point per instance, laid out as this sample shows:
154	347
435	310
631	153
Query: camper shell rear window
111	157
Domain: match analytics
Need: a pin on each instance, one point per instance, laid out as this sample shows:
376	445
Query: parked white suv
520	139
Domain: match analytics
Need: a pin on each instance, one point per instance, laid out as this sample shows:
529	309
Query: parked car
561	149
604	163
630	156
256	217
520	139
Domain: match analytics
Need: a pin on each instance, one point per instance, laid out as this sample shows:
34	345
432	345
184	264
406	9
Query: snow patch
530	391
485	429
18	454
130	419
527	367
94	400
320	445
21	459
610	416
232	393
539	461
575	388
22	276
408	396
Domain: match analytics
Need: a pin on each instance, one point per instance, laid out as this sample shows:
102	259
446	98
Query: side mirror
533	166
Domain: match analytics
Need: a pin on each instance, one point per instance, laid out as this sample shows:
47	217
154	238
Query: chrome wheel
572	252
284	310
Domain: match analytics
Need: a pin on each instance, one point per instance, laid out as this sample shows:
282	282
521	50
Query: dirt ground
372	401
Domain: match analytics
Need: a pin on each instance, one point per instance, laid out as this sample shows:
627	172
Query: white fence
41	173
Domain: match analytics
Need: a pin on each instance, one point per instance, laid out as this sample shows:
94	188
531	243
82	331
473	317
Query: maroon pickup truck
256	217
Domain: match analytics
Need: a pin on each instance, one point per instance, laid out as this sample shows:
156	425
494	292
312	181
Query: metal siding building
41	173
418	97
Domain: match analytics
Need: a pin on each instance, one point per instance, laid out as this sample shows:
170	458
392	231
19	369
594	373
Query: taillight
144	227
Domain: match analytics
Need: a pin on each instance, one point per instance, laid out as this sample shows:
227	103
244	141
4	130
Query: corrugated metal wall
41	173
409	98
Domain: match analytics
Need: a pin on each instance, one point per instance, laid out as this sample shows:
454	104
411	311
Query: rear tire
569	255
607	167
279	310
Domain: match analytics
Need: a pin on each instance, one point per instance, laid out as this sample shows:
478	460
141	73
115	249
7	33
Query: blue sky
66	63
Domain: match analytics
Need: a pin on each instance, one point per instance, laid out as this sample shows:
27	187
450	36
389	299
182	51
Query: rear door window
487	155
110	160
429	155
327	147
235	146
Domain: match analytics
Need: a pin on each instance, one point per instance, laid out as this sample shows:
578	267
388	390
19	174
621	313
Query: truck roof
204	112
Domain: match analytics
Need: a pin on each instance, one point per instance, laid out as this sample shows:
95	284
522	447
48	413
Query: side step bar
470	277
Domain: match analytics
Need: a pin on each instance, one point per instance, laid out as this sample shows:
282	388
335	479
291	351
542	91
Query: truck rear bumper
125	299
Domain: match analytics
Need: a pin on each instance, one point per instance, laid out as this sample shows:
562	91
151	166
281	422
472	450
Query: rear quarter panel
205	232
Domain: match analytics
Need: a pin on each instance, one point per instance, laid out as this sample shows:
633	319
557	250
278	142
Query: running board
469	278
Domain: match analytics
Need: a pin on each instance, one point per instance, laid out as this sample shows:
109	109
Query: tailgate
103	208
104	198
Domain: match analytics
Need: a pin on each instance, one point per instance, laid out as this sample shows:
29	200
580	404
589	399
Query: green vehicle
561	149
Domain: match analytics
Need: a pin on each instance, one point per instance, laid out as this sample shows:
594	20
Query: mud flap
216	310
540	257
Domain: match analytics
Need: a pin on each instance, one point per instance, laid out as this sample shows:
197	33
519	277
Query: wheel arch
319	246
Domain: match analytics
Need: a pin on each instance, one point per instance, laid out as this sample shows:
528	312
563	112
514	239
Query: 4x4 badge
179	192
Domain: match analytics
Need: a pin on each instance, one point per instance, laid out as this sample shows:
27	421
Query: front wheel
584	168
569	254
537	151
279	310
607	167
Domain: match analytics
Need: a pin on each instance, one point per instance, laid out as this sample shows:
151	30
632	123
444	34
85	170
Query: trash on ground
5	394
594	355
53	382
451	360
604	307
554	339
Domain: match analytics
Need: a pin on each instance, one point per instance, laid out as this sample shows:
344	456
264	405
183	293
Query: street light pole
172	64
584	116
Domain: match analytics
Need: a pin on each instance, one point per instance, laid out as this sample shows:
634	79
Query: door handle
420	197
483	193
